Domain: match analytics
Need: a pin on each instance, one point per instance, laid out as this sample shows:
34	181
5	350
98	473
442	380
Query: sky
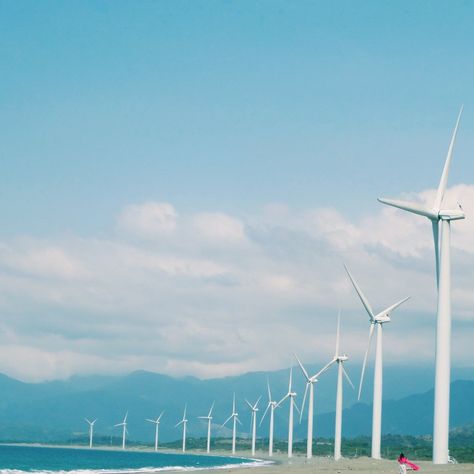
181	181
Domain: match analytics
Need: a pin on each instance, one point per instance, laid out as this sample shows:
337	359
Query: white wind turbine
124	429
340	359
272	404
235	418
375	320
209	420
91	430
440	217
310	381
183	422
291	395
157	426
254	422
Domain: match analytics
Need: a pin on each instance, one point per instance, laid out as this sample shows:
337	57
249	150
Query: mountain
55	411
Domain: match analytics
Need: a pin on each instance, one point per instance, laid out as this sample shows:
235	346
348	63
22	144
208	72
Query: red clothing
404	460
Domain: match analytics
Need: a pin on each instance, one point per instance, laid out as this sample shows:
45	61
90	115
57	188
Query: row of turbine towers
440	218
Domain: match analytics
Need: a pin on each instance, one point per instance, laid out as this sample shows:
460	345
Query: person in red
402	460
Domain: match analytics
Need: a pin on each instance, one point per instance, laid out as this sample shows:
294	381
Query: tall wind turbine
209	420
375	320
91	430
310	381
183	422
440	217
271	405
157	426
124	429
254	422
235	418
291	395
340	359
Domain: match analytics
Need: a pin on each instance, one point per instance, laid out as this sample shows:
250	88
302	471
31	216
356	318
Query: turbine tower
254	422
291	395
340	359
183	422
272	404
375	320
157	425
209	420
91	430
310	381
440	218
124	429
235	418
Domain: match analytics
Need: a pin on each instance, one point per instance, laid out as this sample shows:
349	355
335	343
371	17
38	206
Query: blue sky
217	134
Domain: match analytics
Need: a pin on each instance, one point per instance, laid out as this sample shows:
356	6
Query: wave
143	470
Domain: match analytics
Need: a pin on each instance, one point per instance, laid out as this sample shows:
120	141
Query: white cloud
222	295
148	220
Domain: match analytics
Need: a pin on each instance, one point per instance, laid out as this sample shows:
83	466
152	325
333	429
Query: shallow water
17	459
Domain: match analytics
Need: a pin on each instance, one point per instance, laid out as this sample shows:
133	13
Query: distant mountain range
55	411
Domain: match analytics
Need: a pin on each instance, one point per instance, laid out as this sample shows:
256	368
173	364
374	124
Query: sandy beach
300	465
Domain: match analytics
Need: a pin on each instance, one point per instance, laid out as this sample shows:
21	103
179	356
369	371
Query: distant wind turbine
340	359
272	404
291	395
310	381
183	422
124	429
91	430
375	320
209	421
157	426
254	410
235	418
440	217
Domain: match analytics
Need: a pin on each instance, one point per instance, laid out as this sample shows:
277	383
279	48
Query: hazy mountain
55	411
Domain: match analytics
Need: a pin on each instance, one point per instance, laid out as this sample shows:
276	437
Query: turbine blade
337	333
413	207
161	414
371	332
362	298
394	306
87	421
295	405
238	421
347	377
249	404
233	404
264	413
435	226
256	403
326	367
291	379
282	400
269	391
226	421
304	400
302	368
179	423
151	421
125	419
184	414
212	408
444	176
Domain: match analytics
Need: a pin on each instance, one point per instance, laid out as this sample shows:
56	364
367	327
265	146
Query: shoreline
278	464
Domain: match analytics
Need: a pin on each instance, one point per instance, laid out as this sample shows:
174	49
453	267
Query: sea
17	459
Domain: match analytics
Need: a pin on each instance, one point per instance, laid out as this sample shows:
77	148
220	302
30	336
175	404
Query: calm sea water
16	459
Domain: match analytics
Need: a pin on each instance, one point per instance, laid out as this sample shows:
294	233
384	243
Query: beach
362	465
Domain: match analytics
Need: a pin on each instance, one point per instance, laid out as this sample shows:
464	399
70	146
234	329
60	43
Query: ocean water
18	459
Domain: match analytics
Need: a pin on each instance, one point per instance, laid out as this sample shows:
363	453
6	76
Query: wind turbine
157	425
310	381
340	359
254	422
375	320
91	430
183	422
124	429
440	217
235	417
272	404
209	420
291	395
